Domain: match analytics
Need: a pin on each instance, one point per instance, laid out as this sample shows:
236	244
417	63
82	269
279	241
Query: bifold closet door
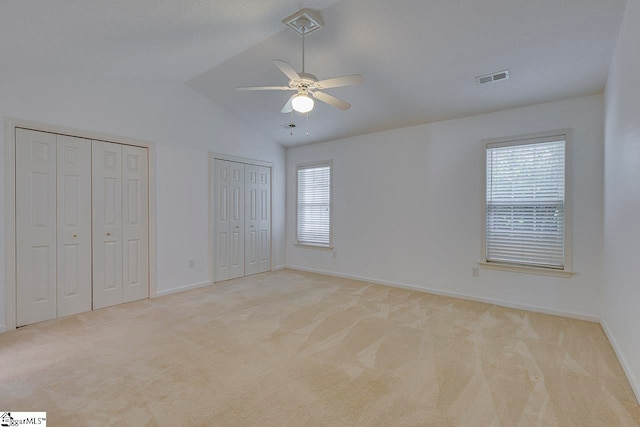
236	221
229	220
221	183
120	224
135	208
82	225
74	225
242	219
264	219
251	223
257	219
35	226
107	223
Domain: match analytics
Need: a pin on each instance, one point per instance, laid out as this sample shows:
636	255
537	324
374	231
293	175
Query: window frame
311	165
532	138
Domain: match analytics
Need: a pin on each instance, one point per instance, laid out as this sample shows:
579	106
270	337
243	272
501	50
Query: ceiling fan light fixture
302	103
306	84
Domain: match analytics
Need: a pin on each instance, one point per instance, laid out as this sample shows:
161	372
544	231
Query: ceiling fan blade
331	100
288	107
287	69
266	88
353	79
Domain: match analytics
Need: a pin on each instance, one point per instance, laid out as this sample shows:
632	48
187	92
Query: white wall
184	126
621	284
408	208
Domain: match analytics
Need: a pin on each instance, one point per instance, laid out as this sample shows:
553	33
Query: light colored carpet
291	348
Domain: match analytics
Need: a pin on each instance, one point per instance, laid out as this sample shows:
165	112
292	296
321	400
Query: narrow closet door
35	226
74	225
236	221
221	186
264	216
135	208
107	224
251	211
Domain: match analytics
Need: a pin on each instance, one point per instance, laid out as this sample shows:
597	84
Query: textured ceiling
419	57
170	40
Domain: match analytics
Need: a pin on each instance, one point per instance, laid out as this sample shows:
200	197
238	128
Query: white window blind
314	204
525	201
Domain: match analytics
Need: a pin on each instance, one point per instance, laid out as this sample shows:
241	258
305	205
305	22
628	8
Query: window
525	202
314	204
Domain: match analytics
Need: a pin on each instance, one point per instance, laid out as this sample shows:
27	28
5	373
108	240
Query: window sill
525	269
312	246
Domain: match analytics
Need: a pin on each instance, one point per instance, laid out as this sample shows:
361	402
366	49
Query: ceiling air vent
494	77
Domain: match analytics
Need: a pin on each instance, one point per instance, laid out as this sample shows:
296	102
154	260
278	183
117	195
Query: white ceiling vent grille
304	21
493	77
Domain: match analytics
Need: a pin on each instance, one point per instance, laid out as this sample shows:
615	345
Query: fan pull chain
307	124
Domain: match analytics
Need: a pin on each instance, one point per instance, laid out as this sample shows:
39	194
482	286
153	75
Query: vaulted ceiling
419	58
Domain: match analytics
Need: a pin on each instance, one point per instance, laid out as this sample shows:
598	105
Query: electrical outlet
192	263
475	271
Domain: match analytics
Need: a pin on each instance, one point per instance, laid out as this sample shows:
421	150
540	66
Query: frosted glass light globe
302	103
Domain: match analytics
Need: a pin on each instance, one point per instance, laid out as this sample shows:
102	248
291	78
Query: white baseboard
635	384
182	288
279	267
3	328
526	307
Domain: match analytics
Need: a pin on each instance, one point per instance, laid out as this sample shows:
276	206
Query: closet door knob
75	235
108	234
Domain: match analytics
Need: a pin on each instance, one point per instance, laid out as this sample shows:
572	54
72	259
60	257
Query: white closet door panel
73	225
222	192
236	221
251	214
107	224
35	226
264	219
135	208
242	219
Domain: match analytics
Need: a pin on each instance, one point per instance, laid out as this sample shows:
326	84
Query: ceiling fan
306	85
